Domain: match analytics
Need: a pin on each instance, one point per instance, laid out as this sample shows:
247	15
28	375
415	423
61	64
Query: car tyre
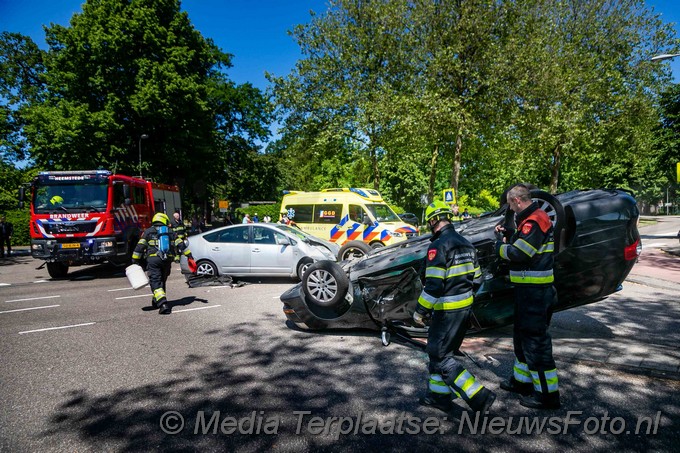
207	268
548	203
302	267
57	270
555	211
325	284
353	249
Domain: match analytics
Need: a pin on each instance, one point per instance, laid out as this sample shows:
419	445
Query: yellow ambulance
354	218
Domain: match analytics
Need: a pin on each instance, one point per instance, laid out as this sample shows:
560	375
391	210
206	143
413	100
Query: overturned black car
596	240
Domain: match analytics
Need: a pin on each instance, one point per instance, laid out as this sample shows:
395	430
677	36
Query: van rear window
301	213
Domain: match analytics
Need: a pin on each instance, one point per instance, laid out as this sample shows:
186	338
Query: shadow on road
265	371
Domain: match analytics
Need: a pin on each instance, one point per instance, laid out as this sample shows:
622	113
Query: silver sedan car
259	249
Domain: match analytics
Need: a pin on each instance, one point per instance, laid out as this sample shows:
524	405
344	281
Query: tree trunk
455	165
433	173
555	167
376	170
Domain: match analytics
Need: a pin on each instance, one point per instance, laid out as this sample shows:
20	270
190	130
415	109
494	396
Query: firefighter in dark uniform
451	275
529	250
158	265
178	226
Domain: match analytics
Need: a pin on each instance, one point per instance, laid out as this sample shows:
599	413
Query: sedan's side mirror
283	241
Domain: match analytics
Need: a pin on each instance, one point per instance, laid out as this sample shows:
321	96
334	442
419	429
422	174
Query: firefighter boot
164	309
438	401
514	386
541	400
483	400
153	302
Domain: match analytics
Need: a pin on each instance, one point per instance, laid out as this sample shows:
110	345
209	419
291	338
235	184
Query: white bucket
136	276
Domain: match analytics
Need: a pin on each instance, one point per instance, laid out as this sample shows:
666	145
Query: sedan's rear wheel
353	249
325	284
303	265
207	268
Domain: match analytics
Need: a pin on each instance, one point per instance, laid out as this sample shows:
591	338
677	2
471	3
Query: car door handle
256	250
215	249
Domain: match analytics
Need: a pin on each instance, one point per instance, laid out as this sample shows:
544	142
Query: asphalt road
86	367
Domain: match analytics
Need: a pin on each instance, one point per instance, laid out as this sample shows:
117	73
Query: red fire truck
88	217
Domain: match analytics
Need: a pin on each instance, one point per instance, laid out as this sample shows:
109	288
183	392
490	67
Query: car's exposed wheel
205	267
377	245
353	249
325	284
57	270
303	265
550	204
555	211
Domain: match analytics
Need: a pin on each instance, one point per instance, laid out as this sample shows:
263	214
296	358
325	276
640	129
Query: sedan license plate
70	246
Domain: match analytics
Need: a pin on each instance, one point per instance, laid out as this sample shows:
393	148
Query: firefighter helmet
159	217
439	210
56	200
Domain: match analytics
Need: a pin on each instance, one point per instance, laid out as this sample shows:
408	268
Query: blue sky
254	31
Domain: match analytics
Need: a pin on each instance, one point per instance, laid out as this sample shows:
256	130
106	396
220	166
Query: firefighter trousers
158	271
445	336
531	340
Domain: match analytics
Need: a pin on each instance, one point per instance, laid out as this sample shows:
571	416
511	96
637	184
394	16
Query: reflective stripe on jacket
531	248
451	272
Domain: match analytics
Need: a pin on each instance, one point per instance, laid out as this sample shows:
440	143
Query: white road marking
198	308
4	284
132	297
25	309
120	289
57	328
32	298
41	281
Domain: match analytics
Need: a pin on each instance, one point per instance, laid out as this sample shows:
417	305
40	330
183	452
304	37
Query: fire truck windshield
70	197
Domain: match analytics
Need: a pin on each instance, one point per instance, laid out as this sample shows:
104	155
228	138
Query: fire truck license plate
70	246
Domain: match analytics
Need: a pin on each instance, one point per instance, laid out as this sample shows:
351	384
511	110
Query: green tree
480	93
353	68
123	69
583	88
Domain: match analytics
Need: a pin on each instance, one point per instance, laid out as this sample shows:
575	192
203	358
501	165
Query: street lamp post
665	56
142	137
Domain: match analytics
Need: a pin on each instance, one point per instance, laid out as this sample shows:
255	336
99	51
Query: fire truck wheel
57	270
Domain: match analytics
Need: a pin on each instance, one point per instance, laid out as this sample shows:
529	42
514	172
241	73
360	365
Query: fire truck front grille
70	227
